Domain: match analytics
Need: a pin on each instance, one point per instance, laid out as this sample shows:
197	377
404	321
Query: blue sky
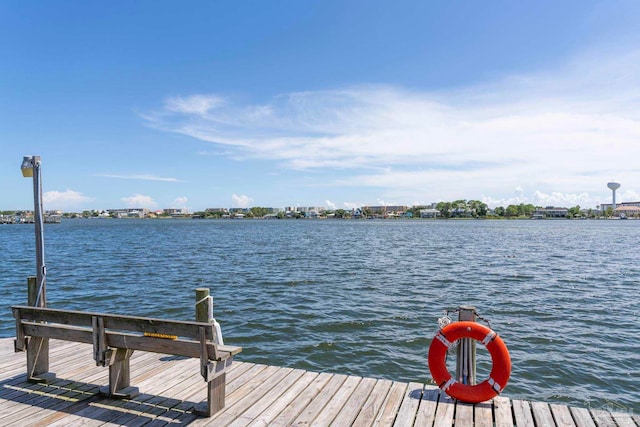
163	104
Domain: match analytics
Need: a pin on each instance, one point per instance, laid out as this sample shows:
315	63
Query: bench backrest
182	338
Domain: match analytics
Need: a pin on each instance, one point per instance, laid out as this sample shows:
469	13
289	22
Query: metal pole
41	269
466	350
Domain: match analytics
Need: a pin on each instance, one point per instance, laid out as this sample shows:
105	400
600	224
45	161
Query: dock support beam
466	351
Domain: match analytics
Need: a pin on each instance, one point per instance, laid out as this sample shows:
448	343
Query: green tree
574	212
511	211
445	209
478	209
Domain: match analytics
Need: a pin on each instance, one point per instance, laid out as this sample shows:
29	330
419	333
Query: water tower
613	186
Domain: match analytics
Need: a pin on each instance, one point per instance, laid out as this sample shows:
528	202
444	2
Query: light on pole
31	168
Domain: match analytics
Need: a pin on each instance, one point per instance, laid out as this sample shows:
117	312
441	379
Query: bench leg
120	376
38	360
215	393
216	388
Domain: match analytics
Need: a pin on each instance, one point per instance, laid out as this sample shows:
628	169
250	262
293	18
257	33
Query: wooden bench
114	339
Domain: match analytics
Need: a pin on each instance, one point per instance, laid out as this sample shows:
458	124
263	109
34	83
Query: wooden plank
79	391
542	414
175	406
268	416
300	403
522	413
445	411
261	404
311	411
602	418
186	329
463	415
409	406
562	415
623	419
122	412
352	407
250	396
337	402
502	412
582	417
483	414
372	406
387	414
427	410
178	347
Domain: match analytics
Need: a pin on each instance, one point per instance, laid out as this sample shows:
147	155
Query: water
363	297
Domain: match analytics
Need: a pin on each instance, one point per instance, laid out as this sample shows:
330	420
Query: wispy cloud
140	177
558	134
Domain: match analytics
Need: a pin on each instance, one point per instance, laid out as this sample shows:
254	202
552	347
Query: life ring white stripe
448	384
494	385
490	337
443	340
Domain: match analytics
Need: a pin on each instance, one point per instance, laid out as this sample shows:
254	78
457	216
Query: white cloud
180	203
330	205
241	201
139	201
141	177
62	200
562	133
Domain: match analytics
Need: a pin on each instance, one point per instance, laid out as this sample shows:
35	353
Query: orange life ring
500	370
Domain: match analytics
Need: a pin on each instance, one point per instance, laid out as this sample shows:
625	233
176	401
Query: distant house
550	212
176	212
627	211
429	213
128	212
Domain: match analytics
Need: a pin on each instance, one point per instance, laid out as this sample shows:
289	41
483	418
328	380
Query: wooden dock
256	395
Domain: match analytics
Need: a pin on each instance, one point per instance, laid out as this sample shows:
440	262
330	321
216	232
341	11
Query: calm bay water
363	297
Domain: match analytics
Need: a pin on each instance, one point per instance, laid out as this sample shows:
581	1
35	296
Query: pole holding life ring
500	371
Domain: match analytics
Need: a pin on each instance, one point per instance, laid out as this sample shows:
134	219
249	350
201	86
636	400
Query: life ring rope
500	371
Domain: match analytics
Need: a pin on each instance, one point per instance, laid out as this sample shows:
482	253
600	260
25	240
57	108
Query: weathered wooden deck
257	395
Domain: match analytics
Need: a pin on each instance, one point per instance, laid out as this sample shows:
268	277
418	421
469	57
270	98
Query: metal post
37	347
41	269
466	351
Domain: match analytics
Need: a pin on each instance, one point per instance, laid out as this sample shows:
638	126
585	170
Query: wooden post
216	386
37	347
466	351
202	305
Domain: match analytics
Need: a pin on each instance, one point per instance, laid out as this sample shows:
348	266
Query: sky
340	104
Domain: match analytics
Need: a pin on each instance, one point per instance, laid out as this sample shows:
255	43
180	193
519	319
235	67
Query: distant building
605	206
550	212
429	213
176	212
627	211
128	212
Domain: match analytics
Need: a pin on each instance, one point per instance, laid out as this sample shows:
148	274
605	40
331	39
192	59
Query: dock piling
466	350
